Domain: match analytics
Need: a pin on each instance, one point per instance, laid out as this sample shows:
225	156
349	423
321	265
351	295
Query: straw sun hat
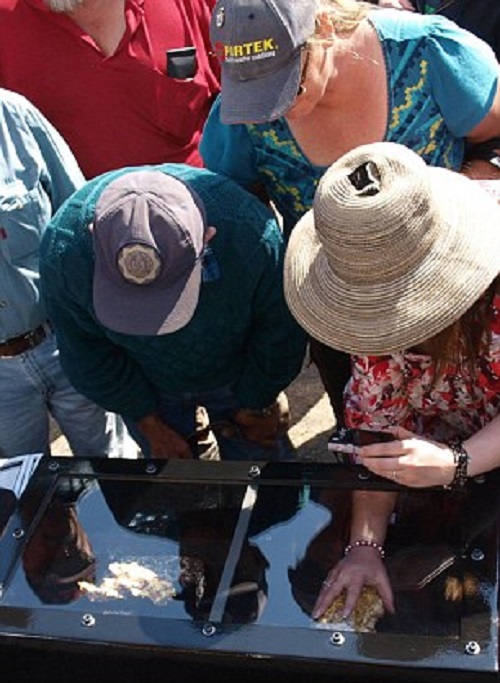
392	252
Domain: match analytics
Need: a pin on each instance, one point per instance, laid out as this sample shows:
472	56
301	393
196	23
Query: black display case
218	565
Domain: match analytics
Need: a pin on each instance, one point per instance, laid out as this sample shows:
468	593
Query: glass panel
240	552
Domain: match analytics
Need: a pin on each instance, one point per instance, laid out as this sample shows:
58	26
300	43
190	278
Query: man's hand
164	442
264	427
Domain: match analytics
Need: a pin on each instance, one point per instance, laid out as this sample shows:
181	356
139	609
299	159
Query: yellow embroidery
409	95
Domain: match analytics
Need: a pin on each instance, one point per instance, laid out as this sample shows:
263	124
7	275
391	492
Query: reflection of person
37	173
204	539
415	286
343	74
164	285
58	555
104	73
222	569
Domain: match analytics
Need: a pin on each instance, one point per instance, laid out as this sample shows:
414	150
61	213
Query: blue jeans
32	386
178	412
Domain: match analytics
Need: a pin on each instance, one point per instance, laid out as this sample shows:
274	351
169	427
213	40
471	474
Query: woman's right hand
362	566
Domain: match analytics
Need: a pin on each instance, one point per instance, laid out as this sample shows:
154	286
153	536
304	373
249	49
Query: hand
410	460
164	442
265	427
361	567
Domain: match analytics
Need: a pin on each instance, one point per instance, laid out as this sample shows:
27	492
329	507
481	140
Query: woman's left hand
361	567
410	460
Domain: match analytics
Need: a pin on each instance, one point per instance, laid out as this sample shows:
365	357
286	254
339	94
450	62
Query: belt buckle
34	337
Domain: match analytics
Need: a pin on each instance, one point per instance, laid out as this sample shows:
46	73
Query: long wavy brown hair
468	339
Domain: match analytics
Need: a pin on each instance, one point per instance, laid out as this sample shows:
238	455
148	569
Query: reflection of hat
259	44
148	239
392	253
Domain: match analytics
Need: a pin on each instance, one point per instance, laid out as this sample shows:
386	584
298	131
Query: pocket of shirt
182	105
21	221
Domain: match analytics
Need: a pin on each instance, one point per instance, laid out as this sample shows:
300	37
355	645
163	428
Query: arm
464	75
276	344
103	371
228	150
422	462
482	160
274	351
362	565
375	397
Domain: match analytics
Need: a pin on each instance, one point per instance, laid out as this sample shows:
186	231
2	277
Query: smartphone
347	442
182	63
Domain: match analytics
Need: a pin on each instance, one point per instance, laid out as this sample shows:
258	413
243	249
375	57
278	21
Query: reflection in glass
235	552
58	556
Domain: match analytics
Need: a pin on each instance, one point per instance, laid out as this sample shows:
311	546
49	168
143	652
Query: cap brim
260	99
132	309
367	320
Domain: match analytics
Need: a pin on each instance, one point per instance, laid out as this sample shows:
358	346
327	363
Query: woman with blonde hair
305	82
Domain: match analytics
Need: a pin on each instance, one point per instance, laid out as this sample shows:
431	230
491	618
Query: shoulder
400	25
14	102
9	5
243	223
221	195
16	110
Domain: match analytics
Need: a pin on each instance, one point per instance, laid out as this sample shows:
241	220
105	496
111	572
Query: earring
302	90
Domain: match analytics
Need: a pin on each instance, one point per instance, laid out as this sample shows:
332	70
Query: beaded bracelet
364	543
461	461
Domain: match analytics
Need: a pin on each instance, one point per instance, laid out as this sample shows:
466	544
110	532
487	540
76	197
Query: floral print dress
402	389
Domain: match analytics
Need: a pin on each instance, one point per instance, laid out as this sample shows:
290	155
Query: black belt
22	343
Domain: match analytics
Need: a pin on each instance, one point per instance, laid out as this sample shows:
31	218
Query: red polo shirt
121	110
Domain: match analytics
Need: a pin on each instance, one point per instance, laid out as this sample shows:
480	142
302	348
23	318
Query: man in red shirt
126	82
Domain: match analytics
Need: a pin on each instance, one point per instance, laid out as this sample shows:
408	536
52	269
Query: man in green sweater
164	286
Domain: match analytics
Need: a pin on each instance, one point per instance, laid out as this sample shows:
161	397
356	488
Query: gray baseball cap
148	239
259	44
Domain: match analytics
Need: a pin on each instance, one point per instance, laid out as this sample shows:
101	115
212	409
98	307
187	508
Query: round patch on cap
139	264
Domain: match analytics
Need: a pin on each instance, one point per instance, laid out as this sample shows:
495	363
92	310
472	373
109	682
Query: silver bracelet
365	543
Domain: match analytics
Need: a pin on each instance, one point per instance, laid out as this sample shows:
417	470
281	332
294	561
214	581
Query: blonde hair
344	16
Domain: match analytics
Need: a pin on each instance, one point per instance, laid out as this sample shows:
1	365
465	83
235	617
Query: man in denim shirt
37	173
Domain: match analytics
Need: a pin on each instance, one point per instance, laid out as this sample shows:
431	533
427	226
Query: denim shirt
37	173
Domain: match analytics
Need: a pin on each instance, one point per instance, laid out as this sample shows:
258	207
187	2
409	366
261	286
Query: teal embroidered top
441	83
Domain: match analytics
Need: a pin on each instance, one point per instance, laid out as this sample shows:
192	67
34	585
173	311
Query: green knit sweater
241	333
